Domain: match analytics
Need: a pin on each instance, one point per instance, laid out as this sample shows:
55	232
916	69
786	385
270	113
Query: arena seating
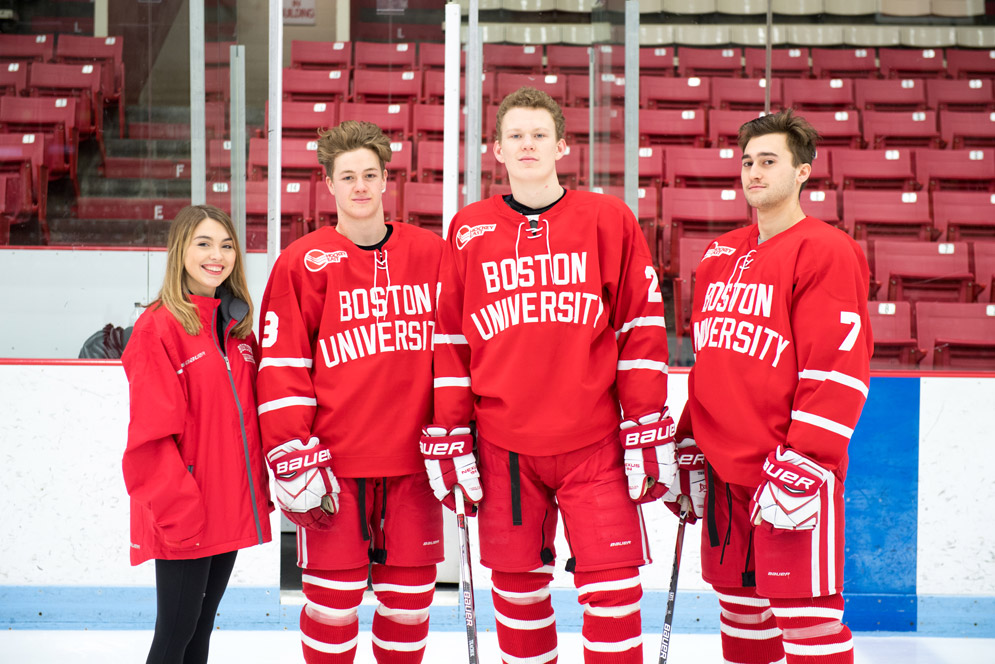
884	213
984	268
82	82
956	335
960	94
956	169
321	55
820	94
375	55
924	271
873	169
895	346
13	78
331	85
27	48
890	95
964	215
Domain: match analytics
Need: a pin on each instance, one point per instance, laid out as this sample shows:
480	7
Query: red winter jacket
194	466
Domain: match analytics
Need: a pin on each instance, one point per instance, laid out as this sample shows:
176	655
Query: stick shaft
466	578
672	596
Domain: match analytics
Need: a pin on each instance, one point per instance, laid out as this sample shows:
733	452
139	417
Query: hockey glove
690	481
650	464
450	463
306	488
792	493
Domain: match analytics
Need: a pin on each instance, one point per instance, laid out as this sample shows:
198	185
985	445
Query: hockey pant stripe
749	631
612	631
813	633
400	624
329	622
526	626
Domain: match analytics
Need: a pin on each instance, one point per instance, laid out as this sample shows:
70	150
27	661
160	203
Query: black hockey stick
466	577
669	618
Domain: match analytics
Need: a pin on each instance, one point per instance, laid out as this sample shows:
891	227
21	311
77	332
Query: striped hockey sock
526	626
612	630
400	625
813	633
750	634
329	625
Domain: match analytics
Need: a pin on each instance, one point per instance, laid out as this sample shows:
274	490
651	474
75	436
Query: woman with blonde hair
193	465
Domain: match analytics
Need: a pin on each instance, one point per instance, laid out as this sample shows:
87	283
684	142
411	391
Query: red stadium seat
608	123
924	270
24	178
299	159
295	210
910	62
891	326
422	205
566	59
960	215
393	86
960	94
723	126
877	213
820	94
693	61
218	159
432	57
552	84
703	167
700	213
650	166
393	119
315	84
784	62
54	120
609	89
956	335
984	267
655	61
971	62
217	84
836	128
512	58
13	78
674	93
873	169
27	48
690	250
670	127
434	87
429	122
747	94
844	63
956	169
884	129
303	119
907	94
79	81
822	205
321	55
105	51
375	55
964	129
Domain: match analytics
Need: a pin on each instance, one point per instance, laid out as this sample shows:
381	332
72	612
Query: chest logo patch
716	250
316	259
467	233
246	351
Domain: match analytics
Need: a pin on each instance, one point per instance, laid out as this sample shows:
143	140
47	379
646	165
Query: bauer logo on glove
793	491
649	461
306	488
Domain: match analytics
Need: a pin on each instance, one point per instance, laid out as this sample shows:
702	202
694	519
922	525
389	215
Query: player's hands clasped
690	481
450	464
650	463
792	493
306	488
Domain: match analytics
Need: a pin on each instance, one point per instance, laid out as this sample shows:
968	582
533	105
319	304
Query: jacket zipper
241	422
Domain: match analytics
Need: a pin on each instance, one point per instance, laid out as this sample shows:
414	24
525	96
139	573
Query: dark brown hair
352	135
531	98
801	136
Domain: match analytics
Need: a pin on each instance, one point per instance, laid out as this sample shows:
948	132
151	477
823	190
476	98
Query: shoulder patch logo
716	250
246	351
316	259
467	233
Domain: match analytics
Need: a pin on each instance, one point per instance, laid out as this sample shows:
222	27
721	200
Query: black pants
188	593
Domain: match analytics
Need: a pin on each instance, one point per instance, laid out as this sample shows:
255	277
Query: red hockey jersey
782	348
541	333
347	348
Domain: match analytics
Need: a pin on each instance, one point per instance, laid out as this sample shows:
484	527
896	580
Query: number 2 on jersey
654	291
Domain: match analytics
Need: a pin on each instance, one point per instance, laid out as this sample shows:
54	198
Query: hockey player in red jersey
345	387
550	336
782	345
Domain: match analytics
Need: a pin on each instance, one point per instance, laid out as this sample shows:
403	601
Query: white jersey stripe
808	612
449	339
330	648
451	382
331	612
545	569
822	423
791	648
750	634
537	659
743	601
303	362
613	646
400	646
286	402
626	365
421	614
836	377
621	584
642	321
515	623
611	611
402	589
333	585
535	595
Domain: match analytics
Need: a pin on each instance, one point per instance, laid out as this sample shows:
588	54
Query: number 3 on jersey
654	291
271	329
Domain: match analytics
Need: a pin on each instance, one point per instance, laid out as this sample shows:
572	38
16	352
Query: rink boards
920	504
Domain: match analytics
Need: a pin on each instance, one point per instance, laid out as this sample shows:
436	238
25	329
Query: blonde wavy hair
173	294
